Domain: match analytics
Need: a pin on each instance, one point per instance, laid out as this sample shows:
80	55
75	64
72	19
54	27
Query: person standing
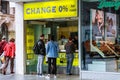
2	45
70	49
52	50
41	54
9	53
75	41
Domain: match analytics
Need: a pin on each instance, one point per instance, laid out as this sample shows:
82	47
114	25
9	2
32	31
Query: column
20	47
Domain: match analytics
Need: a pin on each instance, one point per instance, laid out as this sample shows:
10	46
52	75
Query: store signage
106	4
51	9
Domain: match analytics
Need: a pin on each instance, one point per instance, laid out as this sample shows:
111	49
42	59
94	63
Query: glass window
100	36
62	29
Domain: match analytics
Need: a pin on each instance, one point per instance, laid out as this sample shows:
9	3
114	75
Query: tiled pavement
35	77
9	76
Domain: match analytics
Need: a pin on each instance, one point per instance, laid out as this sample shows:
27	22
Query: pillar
20	47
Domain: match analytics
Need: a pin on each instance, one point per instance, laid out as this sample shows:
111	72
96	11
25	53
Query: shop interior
101	37
62	29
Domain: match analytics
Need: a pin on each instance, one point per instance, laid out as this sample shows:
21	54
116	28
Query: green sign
106	4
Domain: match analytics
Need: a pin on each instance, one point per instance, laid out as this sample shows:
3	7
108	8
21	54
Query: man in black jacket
41	47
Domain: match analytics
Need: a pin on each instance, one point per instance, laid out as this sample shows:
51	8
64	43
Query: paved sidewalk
35	77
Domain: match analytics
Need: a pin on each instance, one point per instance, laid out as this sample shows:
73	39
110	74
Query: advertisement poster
97	17
110	24
29	42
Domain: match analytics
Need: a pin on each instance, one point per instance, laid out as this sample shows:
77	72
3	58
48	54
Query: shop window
5	7
3	31
100	37
61	30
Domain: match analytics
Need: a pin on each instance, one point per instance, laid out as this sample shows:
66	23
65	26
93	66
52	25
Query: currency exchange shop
58	18
94	23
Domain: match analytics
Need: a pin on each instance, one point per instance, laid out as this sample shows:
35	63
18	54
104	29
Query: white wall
12	4
20	52
90	75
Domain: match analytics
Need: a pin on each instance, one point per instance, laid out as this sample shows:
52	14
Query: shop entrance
62	29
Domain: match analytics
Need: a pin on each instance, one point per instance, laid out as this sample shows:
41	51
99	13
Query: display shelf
104	50
104	54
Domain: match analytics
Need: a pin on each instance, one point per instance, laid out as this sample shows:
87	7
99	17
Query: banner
52	9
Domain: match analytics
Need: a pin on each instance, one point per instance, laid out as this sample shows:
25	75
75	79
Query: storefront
58	18
100	23
96	23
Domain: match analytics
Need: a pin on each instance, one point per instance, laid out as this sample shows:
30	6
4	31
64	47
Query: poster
29	41
97	23
110	24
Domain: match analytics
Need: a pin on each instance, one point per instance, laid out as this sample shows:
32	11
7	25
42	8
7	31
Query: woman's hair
12	40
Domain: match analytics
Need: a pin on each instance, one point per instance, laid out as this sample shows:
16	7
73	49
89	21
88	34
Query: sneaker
55	76
40	75
69	74
48	76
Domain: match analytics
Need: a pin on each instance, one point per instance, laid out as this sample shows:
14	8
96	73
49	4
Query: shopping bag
2	59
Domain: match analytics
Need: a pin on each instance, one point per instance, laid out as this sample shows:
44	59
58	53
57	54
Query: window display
100	37
97	22
110	24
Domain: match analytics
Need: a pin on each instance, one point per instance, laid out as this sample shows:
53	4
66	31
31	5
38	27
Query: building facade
7	27
94	22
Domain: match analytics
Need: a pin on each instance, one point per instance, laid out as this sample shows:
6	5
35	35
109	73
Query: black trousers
52	69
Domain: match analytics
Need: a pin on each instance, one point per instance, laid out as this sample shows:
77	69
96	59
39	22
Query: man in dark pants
52	50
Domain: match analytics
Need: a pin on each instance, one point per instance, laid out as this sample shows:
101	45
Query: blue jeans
70	58
40	64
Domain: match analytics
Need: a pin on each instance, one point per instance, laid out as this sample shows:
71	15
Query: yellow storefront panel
29	40
62	61
51	9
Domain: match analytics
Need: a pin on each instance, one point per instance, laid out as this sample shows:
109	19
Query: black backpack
36	48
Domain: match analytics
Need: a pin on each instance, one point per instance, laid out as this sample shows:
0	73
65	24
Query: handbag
2	59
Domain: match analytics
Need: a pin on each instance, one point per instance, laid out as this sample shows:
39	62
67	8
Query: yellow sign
62	61
51	9
29	41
